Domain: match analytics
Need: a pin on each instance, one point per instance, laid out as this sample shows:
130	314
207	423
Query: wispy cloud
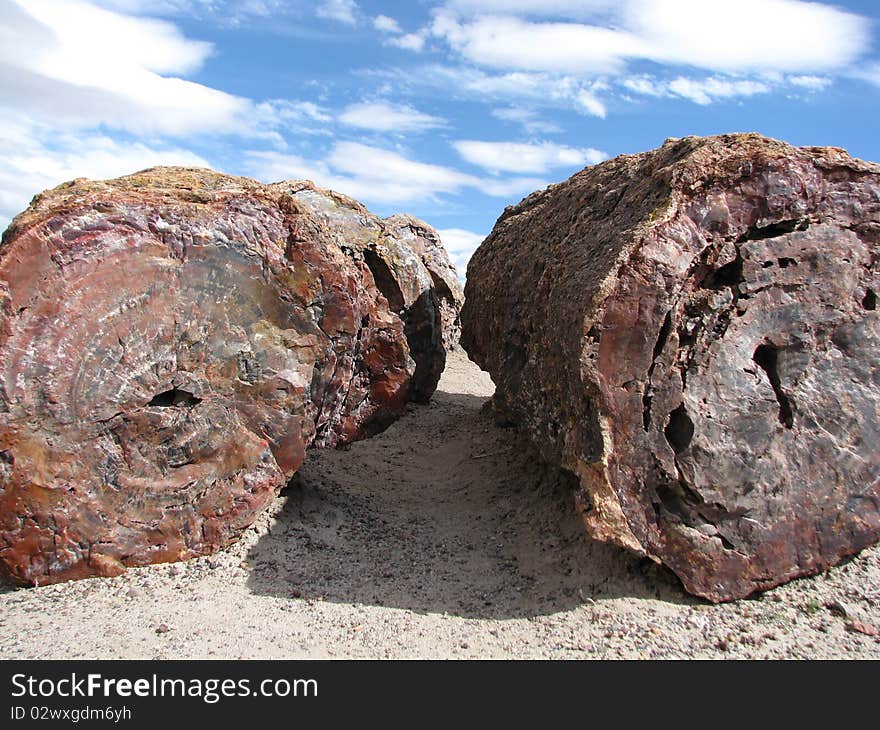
705	91
526	158
782	35
395	36
386	24
377	175
381	116
342	11
538	90
529	119
810	83
409	41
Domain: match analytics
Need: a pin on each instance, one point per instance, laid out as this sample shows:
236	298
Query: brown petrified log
171	343
693	332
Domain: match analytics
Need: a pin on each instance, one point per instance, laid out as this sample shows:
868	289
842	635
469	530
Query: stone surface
171	343
411	269
419	237
693	333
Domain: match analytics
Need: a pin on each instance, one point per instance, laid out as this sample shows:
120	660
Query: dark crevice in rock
176	397
754	233
869	301
665	329
767	358
672	501
441	287
662	337
422	329
385	281
680	429
729	275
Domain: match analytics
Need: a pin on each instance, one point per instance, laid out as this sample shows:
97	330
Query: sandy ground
442	537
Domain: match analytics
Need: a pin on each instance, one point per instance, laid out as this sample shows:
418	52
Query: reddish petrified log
170	345
693	332
412	234
410	267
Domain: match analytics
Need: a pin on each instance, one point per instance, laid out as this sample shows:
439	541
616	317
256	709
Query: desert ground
443	537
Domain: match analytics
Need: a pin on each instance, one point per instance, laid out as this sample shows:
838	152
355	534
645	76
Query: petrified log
693	332
410	267
412	234
170	345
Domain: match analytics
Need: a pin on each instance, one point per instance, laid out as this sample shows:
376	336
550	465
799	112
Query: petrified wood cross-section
171	343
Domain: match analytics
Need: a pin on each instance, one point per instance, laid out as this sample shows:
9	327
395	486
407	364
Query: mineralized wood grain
693	332
171	343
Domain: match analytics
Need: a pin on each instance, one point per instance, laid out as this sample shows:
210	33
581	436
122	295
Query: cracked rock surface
693	333
171	343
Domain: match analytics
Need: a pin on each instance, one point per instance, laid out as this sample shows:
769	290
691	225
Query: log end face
171	344
713	303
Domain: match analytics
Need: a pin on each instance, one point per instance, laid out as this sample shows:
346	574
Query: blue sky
449	110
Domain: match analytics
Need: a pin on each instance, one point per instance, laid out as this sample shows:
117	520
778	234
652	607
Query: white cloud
511	43
380	176
646	86
396	37
546	8
705	91
157	7
367	173
461	244
810	83
869	73
343	11
231	13
54	65
72	74
539	90
524	158
30	165
589	103
410	42
700	91
528	118
383	117
386	25
289	110
511	188
750	36
389	167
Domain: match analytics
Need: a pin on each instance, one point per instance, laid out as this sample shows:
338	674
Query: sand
441	538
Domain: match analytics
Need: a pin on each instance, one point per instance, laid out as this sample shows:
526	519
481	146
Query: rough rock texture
420	238
410	266
693	332
170	345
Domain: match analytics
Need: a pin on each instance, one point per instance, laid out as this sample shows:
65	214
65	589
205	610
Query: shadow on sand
444	512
